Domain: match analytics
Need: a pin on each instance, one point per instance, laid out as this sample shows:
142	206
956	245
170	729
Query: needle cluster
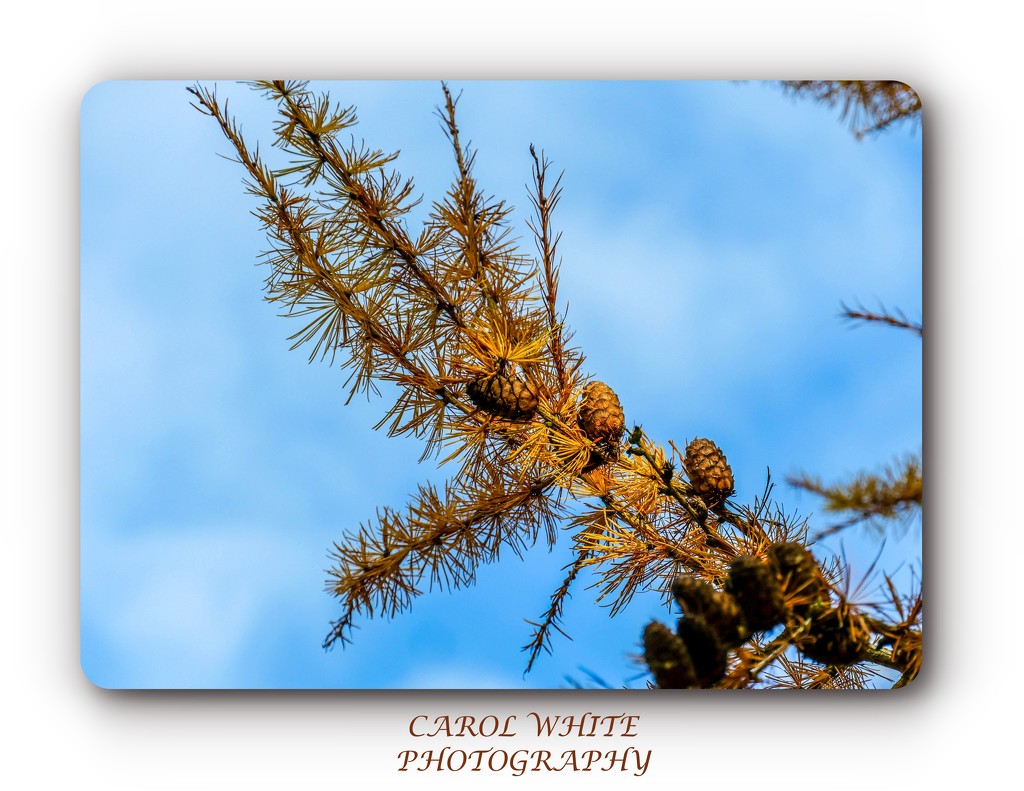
869	106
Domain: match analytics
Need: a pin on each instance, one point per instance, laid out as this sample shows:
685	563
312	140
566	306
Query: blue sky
723	221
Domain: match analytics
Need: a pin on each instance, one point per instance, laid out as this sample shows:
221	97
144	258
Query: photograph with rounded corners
501	385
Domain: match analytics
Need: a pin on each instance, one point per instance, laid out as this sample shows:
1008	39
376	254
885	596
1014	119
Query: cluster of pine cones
758	595
785	588
599	413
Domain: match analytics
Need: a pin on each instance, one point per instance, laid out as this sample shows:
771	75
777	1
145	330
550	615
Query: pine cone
600	414
699	598
709	472
799	575
499	395
757	592
837	637
705	649
667	657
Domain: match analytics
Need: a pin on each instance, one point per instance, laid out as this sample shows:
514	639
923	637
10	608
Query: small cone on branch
512	399
756	590
667	658
837	637
801	579
705	649
709	472
600	414
719	609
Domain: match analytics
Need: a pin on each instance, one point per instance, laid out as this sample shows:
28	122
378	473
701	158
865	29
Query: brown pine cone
699	598
799	575
709	472
836	637
705	649
600	414
756	590
667	658
512	399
